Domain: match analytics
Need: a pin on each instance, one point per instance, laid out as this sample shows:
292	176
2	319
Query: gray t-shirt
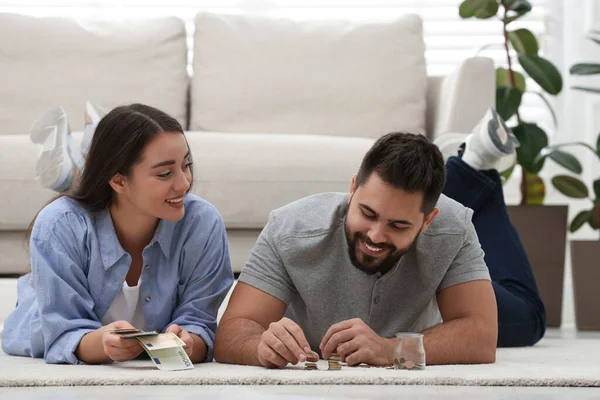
302	258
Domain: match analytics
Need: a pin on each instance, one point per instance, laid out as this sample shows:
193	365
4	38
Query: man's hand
356	343
184	336
283	343
117	348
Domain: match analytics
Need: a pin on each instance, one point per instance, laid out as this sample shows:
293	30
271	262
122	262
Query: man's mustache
370	243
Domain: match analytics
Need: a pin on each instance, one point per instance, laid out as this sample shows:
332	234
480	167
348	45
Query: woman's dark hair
407	162
116	147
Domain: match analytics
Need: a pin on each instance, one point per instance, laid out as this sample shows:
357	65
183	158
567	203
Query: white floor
7	301
295	392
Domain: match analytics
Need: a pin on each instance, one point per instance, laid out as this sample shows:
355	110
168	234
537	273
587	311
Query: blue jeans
521	313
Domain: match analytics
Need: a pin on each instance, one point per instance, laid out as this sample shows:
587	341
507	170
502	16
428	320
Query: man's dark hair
407	162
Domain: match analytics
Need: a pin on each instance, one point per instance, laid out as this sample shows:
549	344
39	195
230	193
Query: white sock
75	153
480	152
478	156
93	115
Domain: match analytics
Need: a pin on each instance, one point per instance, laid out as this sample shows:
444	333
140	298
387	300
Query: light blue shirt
78	266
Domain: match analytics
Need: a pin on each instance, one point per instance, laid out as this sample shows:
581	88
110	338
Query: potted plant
532	220
585	254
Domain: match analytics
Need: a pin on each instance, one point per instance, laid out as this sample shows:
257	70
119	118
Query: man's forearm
237	341
469	340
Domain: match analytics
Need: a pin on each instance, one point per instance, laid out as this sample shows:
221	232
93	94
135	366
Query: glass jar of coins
410	352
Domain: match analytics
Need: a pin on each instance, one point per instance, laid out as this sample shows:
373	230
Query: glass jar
410	352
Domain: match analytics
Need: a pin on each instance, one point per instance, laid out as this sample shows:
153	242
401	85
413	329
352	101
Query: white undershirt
127	307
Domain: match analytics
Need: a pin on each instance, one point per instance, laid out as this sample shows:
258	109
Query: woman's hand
195	347
185	336
117	348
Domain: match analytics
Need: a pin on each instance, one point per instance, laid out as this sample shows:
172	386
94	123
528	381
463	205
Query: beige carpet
553	362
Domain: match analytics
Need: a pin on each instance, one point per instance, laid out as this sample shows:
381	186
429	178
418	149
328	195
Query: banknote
170	358
133	333
162	341
166	351
122	331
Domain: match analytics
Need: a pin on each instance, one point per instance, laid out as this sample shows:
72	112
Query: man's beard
369	263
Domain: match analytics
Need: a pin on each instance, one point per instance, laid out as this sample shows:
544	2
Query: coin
312	357
334	365
310	366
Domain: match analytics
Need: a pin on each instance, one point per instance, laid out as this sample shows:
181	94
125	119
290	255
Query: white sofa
274	109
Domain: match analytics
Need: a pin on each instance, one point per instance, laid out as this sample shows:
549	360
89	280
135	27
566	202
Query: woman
127	247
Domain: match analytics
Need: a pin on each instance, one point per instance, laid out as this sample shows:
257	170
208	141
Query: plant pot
543	232
585	263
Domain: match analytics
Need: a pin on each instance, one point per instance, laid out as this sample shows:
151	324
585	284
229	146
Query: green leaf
543	72
488	46
554	119
596	186
512	18
489	9
595	217
570	186
521	6
579	220
481	9
523	41
586	89
546	151
566	160
533	139
508	100
466	9
585	69
505	175
503	79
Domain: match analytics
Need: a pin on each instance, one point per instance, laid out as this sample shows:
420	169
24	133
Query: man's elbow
488	355
217	355
219	350
488	342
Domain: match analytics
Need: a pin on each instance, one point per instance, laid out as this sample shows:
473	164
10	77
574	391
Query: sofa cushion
21	196
273	75
244	175
54	61
247	175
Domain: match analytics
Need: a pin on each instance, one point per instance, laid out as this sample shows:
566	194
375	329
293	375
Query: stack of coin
312	357
335	357
334	366
309	366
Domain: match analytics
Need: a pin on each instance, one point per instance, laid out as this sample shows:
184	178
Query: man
345	272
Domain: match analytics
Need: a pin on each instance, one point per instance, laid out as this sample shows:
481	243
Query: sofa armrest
456	102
